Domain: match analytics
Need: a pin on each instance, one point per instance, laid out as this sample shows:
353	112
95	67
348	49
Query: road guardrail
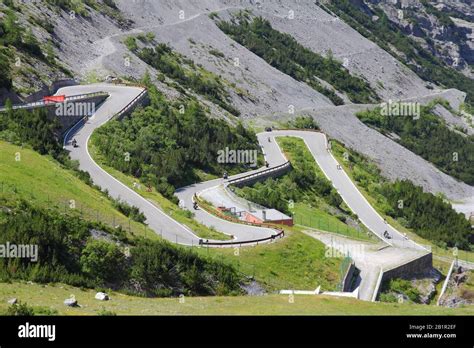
280	234
130	105
262	173
42	103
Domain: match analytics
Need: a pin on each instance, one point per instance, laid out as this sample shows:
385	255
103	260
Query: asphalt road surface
317	145
157	220
172	230
119	97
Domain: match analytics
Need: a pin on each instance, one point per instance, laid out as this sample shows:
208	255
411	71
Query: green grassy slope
44	182
295	262
52	296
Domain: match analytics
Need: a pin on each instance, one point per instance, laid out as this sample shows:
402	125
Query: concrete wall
407	270
410	269
142	100
50	90
251	179
68	121
347	281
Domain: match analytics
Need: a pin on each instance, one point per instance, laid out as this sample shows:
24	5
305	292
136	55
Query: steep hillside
92	45
24	174
195	36
444	28
422	56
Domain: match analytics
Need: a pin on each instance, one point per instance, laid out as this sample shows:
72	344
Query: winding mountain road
120	96
317	145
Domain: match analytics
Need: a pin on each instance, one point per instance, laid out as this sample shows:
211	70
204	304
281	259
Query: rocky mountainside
445	28
90	42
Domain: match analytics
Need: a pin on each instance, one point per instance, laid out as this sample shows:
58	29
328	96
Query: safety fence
335	226
127	108
273	237
43	103
274	171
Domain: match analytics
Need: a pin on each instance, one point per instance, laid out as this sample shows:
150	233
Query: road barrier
278	170
280	234
43	103
139	98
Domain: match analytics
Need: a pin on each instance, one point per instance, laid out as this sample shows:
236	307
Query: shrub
103	261
20	310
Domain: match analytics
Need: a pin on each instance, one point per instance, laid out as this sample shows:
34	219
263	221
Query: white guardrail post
446	281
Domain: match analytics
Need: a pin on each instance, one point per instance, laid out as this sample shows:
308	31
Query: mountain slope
93	47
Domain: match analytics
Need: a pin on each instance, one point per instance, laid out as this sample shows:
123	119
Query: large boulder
102	296
71	302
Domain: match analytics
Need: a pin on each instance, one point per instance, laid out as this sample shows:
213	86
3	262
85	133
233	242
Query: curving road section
317	145
120	97
239	232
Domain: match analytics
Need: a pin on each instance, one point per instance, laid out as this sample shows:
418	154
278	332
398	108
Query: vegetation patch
32	127
427	215
302	122
83	7
67	253
165	142
283	52
429	137
185	72
399	290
